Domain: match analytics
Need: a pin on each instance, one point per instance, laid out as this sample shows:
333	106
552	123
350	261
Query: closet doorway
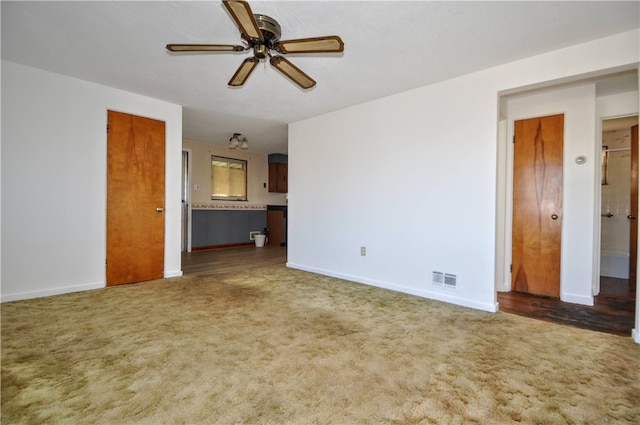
619	206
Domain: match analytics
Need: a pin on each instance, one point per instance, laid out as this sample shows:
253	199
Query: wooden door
135	198
275	224
537	205
633	210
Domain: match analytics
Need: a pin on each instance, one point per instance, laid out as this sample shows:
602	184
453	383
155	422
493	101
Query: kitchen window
228	179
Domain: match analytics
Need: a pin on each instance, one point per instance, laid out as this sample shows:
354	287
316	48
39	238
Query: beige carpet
281	346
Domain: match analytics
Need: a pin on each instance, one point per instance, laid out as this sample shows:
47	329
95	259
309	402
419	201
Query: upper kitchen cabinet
278	173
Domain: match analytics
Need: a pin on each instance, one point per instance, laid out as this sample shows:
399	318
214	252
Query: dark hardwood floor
614	310
227	260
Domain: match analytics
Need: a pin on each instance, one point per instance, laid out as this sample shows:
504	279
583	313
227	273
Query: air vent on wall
447	280
450	280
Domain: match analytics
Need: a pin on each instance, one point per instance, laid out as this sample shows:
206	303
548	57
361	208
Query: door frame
576	281
504	216
504	188
504	184
189	153
598	228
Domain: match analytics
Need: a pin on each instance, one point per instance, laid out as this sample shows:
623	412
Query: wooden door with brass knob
537	205
135	198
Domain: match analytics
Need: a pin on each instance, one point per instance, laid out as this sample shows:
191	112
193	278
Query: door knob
159	209
554	216
631	217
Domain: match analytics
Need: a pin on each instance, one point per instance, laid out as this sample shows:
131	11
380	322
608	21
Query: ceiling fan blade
329	44
242	14
204	48
246	68
292	72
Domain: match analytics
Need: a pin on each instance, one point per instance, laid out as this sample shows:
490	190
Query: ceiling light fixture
238	141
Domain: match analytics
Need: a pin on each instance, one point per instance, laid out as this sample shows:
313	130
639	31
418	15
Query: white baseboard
66	289
438	296
50	292
577	299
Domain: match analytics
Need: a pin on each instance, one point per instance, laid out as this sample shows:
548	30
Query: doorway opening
185	185
619	189
615	95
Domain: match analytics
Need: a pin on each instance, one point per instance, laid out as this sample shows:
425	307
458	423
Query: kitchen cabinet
278	177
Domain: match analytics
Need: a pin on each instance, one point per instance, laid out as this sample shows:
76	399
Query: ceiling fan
261	33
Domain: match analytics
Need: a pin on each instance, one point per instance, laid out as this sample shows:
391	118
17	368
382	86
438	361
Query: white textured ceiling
390	46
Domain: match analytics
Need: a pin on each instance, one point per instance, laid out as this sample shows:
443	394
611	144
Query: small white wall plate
581	159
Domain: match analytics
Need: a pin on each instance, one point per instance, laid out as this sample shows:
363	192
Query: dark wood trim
225	246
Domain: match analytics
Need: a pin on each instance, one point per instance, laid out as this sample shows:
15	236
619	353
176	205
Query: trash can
260	240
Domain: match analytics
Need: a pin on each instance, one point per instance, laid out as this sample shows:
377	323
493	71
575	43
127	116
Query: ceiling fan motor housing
270	29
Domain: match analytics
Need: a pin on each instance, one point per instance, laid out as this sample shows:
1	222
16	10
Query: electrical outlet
363	250
196	187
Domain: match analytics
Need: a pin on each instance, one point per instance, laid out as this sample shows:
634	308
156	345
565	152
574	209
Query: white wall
54	180
615	106
413	178
407	177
